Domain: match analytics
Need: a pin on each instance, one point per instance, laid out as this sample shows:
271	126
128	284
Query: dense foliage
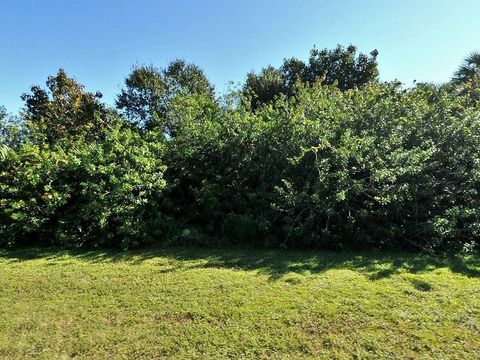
64	110
335	159
97	193
149	91
340	66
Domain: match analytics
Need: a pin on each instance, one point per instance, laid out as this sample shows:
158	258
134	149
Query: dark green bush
366	168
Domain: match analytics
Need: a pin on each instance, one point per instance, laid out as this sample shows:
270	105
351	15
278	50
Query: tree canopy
341	67
149	90
470	68
65	109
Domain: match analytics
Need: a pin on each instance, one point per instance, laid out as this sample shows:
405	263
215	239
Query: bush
365	168
79	193
384	167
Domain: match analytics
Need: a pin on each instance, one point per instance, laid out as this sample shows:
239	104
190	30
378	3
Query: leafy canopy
148	92
64	110
341	66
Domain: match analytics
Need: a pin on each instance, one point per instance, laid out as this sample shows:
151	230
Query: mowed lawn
210	303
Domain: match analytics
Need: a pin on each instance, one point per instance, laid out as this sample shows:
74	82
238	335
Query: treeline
315	153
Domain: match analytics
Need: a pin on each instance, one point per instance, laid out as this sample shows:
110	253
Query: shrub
79	193
365	168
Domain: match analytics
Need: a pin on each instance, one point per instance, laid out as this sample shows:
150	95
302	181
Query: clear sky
97	41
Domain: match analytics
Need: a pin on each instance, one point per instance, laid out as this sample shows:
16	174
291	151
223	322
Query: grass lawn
210	303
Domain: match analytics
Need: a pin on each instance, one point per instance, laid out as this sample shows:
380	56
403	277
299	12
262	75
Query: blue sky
98	41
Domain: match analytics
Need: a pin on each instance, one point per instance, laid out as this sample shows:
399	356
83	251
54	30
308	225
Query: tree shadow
273	263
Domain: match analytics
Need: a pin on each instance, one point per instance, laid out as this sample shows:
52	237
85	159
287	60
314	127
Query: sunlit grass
204	303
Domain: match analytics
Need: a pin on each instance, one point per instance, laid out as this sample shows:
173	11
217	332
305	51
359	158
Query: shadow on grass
274	263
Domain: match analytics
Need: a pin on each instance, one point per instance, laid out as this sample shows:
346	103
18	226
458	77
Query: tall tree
142	99
65	109
183	76
148	91
467	77
470	68
341	66
293	71
265	86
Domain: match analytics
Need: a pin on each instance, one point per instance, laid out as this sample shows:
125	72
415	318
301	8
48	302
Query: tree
142	99
467	77
183	76
148	90
265	86
12	133
340	66
470	68
65	109
4	126
293	71
3	123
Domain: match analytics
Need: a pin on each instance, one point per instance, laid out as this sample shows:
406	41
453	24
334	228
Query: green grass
204	303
